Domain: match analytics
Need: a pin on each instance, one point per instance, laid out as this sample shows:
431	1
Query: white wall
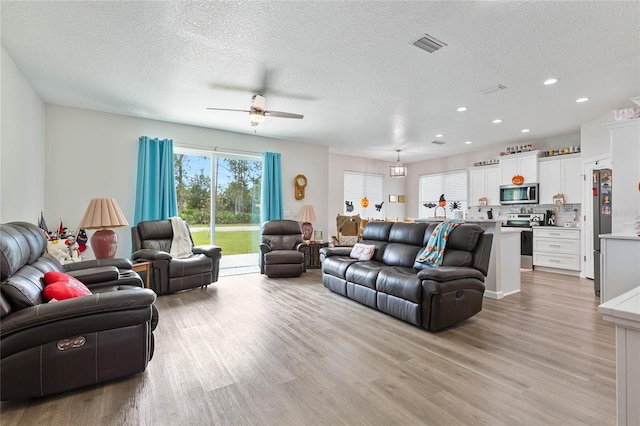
22	146
94	154
595	137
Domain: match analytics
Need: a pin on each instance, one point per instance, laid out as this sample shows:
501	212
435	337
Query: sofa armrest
450	273
302	247
120	263
96	275
99	303
149	255
335	251
264	248
211	251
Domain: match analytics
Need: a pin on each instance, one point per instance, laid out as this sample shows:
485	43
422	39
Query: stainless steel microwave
527	193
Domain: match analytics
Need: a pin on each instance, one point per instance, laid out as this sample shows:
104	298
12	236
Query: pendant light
398	170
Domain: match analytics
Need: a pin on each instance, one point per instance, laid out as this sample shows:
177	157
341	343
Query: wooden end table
146	268
312	258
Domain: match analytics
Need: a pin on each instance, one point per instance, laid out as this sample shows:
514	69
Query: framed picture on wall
393	199
401	198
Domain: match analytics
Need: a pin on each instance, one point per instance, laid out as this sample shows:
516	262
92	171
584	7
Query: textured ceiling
349	67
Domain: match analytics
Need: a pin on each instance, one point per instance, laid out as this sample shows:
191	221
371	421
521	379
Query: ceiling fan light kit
257	112
398	170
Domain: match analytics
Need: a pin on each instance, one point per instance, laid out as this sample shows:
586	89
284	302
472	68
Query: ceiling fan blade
227	109
283	114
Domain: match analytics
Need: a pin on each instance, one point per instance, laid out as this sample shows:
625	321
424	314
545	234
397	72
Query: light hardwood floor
253	350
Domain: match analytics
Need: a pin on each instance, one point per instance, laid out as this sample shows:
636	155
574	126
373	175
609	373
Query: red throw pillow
61	286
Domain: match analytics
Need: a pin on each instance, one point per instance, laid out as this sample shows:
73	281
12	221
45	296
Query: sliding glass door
219	197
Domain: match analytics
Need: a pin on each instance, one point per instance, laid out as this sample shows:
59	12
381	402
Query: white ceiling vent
493	89
438	142
429	43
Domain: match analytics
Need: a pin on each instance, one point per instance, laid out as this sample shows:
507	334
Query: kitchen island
503	276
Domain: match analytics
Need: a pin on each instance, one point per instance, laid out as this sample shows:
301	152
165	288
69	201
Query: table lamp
103	213
306	216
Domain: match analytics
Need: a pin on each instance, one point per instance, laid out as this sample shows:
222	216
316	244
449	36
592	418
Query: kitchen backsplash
566	214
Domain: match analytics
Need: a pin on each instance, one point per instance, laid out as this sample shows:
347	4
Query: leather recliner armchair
282	249
53	347
152	243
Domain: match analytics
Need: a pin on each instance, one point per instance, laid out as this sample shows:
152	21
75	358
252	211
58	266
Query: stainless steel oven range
525	222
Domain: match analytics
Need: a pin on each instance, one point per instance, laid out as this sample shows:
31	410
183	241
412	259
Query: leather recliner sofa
47	348
395	283
152	243
282	249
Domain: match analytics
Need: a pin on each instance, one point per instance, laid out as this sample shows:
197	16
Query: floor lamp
102	214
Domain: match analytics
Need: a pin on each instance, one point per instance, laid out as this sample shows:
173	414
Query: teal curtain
272	205
156	188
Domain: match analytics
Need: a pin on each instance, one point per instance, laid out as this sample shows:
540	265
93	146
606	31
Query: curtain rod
236	151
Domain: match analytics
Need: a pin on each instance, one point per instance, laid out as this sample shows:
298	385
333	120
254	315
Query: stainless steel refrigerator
602	199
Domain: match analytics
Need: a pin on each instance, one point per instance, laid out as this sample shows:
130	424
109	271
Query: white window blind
358	185
452	184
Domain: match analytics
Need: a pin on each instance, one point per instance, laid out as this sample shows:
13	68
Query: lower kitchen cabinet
557	249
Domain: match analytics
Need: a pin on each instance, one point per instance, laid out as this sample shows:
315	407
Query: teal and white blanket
433	254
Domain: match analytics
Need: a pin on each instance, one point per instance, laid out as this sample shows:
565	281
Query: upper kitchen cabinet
561	176
524	164
484	182
625	165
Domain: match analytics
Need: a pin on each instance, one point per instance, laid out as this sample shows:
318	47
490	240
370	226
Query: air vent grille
429	43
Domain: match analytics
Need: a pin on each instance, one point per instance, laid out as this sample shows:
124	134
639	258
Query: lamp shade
307	214
103	213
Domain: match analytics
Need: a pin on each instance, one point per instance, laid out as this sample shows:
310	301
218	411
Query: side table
146	268
312	258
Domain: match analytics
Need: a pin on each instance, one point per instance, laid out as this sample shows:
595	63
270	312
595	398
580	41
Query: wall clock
300	183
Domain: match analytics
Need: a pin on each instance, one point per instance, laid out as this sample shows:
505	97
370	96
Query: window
452	184
360	185
218	195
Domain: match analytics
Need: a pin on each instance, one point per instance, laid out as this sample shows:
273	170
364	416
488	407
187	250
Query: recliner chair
282	250
48	348
152	243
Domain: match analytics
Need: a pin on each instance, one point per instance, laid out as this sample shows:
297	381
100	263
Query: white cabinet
625	163
525	165
624	312
484	182
619	265
557	248
561	176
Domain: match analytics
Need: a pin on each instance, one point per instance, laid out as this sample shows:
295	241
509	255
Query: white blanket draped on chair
181	243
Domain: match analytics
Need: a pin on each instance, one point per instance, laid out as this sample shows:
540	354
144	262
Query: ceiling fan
257	112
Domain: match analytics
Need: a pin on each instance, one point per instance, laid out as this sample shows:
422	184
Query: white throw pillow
362	251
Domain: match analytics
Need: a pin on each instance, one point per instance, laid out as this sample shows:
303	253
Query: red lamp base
307	231
104	244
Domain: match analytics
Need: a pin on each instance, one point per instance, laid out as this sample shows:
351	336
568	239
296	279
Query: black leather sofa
152	240
47	348
395	283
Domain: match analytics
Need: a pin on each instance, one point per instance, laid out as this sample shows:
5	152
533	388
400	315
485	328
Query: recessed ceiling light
580	100
550	81
468	143
497	121
439	135
462	109
525	131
